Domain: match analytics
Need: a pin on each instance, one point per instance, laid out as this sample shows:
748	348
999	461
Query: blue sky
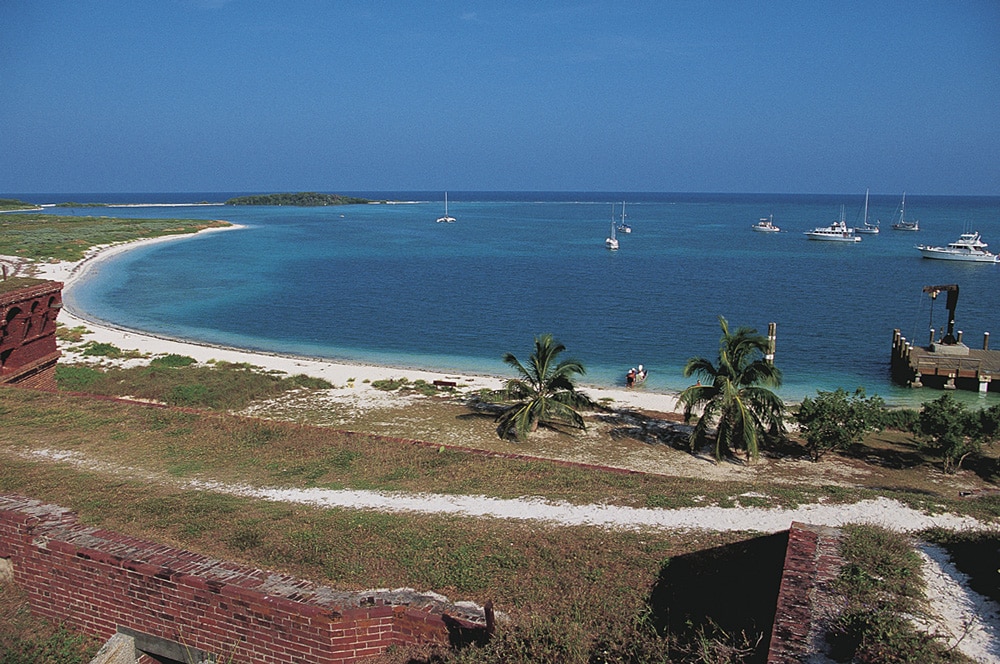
710	96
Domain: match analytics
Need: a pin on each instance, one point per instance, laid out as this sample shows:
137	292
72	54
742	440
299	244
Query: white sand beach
338	373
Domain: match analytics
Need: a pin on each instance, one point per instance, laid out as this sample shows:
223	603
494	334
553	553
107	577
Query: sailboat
445	218
867	228
612	241
902	224
623	227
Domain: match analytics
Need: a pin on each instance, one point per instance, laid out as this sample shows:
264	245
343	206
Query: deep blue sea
386	284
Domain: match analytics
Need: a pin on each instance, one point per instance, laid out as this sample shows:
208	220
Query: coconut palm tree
543	393
734	397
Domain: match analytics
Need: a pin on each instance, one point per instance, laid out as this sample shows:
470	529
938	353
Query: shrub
836	420
172	360
951	429
901	419
98	349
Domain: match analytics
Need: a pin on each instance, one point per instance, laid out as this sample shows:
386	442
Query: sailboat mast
866	208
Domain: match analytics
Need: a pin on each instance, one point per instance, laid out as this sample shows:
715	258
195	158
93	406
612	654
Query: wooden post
772	334
986	340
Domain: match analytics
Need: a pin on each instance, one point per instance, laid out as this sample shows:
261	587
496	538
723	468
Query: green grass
575	594
882	587
67	238
25	639
175	380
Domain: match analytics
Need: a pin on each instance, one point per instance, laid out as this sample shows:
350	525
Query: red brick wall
28	351
812	562
98	581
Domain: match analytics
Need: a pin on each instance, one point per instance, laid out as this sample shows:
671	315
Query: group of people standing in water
635	376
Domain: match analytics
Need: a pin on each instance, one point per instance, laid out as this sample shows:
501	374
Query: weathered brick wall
812	562
100	581
28	352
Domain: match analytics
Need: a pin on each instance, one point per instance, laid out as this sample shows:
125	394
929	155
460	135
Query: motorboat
766	225
968	247
835	232
445	218
903	224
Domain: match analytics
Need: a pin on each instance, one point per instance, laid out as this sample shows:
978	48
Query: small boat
635	377
866	227
968	247
903	224
766	225
445	218
835	232
612	241
623	227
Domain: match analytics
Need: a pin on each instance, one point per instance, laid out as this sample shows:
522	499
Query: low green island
15	204
301	199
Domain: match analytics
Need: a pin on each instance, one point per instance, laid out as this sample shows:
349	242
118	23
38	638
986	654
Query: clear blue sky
779	96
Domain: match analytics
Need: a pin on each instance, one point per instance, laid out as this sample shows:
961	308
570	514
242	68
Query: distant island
301	199
9	204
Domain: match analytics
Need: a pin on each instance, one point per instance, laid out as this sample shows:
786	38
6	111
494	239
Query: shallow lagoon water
386	284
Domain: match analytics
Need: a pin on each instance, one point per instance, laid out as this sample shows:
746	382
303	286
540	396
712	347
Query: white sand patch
967	620
890	514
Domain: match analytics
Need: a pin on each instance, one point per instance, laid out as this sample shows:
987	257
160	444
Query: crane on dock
952	290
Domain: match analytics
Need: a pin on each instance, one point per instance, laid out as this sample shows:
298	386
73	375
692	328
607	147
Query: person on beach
630	377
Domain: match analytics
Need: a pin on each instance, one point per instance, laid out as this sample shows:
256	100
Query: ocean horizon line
194	197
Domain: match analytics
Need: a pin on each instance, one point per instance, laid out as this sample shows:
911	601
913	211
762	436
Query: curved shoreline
339	373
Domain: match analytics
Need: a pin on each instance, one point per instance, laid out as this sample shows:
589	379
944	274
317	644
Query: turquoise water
386	284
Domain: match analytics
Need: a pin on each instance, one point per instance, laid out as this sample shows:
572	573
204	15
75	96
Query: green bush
98	349
172	360
901	419
837	420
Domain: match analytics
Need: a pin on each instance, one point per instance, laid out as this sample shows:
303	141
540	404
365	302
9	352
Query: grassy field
46	237
573	594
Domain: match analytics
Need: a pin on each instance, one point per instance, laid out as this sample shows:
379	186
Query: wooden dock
945	366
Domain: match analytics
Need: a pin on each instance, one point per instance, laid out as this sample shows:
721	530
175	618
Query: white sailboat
623	227
612	241
445	218
867	228
902	224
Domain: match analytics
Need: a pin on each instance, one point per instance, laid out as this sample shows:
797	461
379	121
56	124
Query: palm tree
734	397
543	393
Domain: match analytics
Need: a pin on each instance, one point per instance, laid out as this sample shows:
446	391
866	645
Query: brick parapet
812	563
99	581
